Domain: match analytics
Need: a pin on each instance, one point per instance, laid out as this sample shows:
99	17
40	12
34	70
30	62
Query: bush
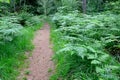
26	19
9	29
23	17
33	21
113	7
84	40
4	9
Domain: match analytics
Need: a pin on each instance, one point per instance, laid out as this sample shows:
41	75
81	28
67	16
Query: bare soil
41	66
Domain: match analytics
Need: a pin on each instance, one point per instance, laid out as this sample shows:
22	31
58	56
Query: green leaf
91	56
81	51
99	70
103	57
95	62
113	67
91	49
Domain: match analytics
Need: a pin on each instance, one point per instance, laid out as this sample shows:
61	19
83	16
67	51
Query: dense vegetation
85	36
16	33
15	39
85	46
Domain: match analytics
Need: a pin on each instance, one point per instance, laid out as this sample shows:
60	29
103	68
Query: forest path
41	65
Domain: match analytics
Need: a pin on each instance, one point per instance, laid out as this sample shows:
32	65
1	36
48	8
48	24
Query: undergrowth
82	44
15	40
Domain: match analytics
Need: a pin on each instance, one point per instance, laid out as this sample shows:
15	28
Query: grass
57	44
13	54
27	72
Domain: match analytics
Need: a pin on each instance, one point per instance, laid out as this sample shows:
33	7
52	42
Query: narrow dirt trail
40	61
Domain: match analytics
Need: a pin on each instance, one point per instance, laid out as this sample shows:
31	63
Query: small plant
27	72
49	70
25	78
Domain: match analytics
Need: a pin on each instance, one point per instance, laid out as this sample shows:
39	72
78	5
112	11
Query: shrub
23	17
4	9
9	29
113	7
85	39
33	21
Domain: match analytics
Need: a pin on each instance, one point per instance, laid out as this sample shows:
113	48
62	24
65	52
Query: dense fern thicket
16	33
85	46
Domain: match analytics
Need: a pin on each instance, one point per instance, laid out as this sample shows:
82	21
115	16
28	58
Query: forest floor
40	62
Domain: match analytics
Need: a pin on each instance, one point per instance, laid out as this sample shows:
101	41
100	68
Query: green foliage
12	53
23	17
82	46
15	39
27	19
9	29
51	6
70	4
46	6
113	6
4	9
4	1
33	21
95	5
28	8
9	66
10	61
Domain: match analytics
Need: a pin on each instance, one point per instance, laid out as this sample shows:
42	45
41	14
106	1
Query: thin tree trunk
20	3
24	2
12	3
84	6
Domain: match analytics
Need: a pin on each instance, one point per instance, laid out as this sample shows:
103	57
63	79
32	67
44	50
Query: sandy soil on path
41	65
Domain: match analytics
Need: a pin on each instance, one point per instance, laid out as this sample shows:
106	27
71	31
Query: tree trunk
12	3
84	6
20	3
